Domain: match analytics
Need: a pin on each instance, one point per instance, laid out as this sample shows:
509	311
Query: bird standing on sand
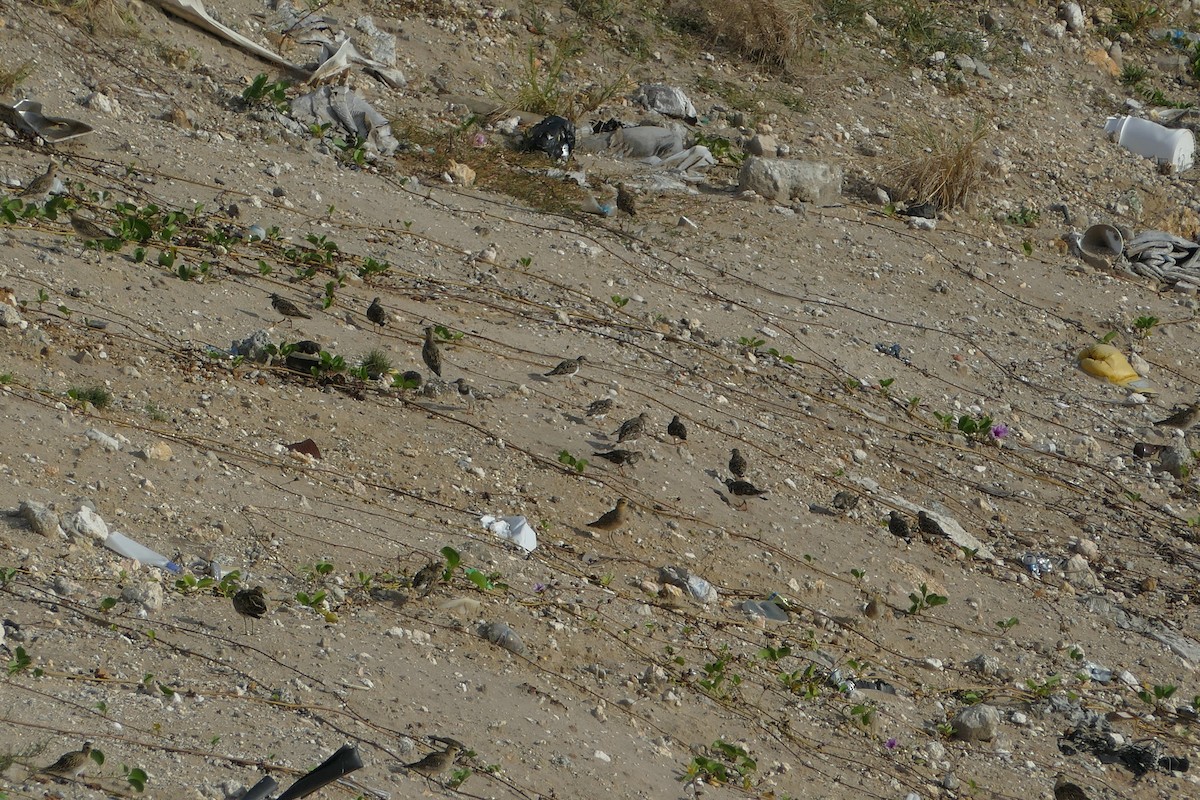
929	526
620	457
89	231
737	464
430	353
1183	419
287	307
898	526
466	393
743	488
39	188
1065	790
676	428
611	521
378	314
438	761
70	765
427	577
251	604
626	200
600	408
568	368
631	429
845	501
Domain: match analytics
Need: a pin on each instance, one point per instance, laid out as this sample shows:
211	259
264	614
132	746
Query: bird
875	607
676	428
631	429
427	577
620	457
1183	419
89	231
287	307
378	314
430	353
438	761
410	379
929	526
250	603
466	392
737	464
626	200
568	368
845	501
600	408
70	765
611	521
743	488
1065	790
898	526
39	188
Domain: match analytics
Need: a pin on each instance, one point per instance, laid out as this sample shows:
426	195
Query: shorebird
251	604
1183	419
929	526
39	188
438	761
70	765
737	464
845	501
287	307
378	314
600	408
466	393
611	521
743	488
89	231
631	429
676	428
626	200
1065	790
898	526
620	457
427	577
568	368
430	353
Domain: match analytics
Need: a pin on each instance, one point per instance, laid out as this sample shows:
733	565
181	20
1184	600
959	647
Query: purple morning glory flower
999	431
890	744
539	587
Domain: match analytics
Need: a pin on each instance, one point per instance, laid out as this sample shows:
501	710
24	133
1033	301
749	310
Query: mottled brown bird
845	501
898	526
600	408
427	577
378	314
1182	419
620	457
287	307
1065	790
737	464
70	765
631	429
39	188
743	488
611	520
677	429
626	200
568	368
251	604
89	231
438	761
430	353
929	526
875	607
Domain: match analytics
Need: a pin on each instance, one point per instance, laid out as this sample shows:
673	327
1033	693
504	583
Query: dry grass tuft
944	166
774	33
108	17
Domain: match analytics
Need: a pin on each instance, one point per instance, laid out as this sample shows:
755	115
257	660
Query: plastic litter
343	762
1107	362
1146	138
27	115
515	529
501	635
554	136
765	608
696	586
194	12
666	100
348	112
1097	672
261	790
1037	564
122	545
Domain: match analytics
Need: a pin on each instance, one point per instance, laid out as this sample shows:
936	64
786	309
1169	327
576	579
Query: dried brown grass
941	165
773	33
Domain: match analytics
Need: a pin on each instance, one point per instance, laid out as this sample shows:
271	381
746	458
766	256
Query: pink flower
479	140
890	744
999	431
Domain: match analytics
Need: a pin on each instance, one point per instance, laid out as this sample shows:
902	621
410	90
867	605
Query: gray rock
977	723
785	180
65	587
762	145
41	519
666	100
985	664
149	595
1177	460
501	635
965	63
1072	15
253	347
1080	574
9	316
85	525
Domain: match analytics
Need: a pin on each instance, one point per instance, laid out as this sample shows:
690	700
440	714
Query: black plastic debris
554	136
612	124
261	790
341	763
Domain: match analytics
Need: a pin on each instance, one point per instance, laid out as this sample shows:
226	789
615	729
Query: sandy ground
625	683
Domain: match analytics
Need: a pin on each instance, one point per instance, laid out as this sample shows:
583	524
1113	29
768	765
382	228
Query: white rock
85	524
1072	16
102	439
1088	549
158	451
977	723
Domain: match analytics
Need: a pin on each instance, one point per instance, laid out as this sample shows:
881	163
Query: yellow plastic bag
1107	362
